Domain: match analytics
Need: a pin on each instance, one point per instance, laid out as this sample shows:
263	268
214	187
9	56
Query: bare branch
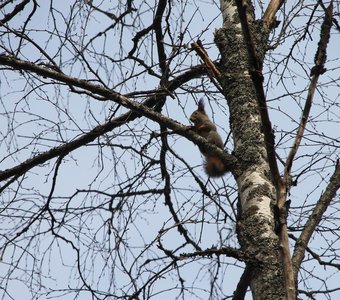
243	284
157	25
228	251
269	14
315	218
317	70
159	13
17	9
317	256
212	69
137	108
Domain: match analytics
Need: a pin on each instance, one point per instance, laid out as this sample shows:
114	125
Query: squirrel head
199	115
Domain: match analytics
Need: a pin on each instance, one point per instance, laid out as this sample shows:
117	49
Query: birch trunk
256	225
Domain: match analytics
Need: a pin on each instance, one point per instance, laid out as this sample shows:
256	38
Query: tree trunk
257	195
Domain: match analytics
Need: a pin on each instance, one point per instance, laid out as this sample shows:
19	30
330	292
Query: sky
46	117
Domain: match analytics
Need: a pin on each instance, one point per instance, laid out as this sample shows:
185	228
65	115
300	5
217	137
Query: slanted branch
203	54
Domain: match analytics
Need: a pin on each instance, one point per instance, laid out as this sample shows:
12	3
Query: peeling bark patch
230	14
253	209
259	191
253	184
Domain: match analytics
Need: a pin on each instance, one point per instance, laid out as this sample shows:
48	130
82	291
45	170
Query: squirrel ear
201	105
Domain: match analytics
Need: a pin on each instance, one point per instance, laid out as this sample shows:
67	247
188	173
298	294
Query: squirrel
214	166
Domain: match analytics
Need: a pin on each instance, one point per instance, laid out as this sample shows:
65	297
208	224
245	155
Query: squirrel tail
214	166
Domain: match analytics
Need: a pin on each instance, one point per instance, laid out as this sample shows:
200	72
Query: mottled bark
256	226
